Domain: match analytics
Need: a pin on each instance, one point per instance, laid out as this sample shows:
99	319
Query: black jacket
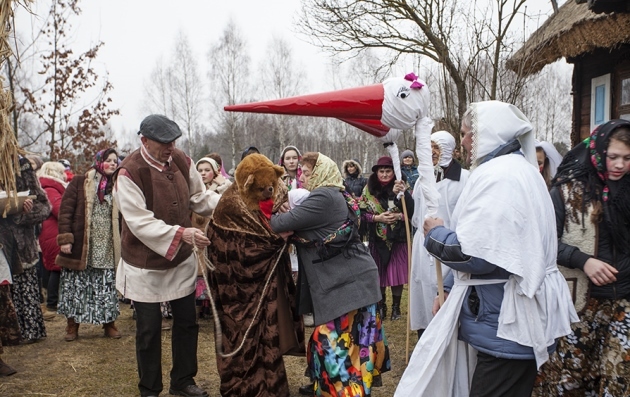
571	256
354	183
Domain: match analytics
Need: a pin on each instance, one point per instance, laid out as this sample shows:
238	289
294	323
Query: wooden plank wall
586	67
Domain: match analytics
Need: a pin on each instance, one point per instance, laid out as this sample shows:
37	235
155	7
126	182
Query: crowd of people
318	244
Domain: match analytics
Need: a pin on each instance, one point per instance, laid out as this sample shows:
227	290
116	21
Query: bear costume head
257	179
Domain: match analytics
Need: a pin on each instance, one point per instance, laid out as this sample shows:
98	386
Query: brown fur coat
75	214
244	250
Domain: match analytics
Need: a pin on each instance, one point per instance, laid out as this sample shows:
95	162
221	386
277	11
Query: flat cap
159	128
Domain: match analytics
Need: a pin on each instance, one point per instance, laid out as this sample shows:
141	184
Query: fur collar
344	166
379	191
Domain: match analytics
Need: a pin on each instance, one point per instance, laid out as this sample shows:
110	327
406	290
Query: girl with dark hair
89	240
591	196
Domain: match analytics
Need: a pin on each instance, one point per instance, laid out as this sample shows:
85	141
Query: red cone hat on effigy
361	107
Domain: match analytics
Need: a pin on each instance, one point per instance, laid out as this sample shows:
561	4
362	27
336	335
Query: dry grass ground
97	366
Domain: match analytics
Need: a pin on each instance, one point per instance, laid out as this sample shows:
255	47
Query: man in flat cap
156	188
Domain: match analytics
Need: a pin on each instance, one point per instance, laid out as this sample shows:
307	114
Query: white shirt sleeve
160	237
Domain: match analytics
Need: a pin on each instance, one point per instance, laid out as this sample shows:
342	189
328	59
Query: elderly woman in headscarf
507	299
338	283
548	159
451	179
591	196
382	212
89	240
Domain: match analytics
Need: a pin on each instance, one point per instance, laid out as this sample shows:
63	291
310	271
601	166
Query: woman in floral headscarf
591	196
89	239
338	283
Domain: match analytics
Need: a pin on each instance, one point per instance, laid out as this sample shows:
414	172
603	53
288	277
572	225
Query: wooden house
594	36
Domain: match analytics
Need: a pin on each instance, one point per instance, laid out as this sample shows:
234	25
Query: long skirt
594	360
346	356
9	327
396	271
25	294
88	296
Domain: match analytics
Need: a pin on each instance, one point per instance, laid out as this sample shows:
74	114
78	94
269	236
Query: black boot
382	307
396	308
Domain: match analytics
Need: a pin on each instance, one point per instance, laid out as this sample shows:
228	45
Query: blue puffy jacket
479	317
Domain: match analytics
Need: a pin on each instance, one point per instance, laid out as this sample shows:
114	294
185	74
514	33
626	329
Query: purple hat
384	161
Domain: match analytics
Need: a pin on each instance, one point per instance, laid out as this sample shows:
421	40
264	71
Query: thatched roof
573	31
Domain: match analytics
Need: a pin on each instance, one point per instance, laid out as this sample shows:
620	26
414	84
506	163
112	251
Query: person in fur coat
89	240
18	240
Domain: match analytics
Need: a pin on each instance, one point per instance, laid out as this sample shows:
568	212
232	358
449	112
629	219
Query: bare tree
548	103
281	78
439	30
176	90
57	106
229	74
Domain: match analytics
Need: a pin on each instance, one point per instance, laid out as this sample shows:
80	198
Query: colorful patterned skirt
89	296
595	359
346	356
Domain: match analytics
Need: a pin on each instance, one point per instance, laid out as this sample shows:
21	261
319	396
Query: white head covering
215	166
446	142
495	123
555	158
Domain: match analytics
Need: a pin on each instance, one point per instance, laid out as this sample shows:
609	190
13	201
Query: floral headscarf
586	163
325	174
105	183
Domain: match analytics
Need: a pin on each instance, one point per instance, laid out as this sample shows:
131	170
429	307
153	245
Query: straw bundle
9	148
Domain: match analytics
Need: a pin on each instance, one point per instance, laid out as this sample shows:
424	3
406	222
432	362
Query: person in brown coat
89	240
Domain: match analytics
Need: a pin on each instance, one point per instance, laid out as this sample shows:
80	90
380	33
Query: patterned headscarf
105	183
325	174
586	163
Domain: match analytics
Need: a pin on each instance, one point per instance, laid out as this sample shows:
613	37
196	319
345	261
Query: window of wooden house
600	100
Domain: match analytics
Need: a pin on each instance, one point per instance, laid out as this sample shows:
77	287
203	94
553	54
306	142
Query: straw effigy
9	147
573	31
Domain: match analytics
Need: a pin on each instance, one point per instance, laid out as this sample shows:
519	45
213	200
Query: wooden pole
440	281
408	231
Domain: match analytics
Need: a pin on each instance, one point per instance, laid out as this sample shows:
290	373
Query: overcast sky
137	33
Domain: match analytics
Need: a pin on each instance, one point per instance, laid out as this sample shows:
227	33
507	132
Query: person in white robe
450	181
507	298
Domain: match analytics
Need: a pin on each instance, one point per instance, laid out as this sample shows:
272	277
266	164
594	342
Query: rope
202	259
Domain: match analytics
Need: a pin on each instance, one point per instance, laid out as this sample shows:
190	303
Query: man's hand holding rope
195	237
